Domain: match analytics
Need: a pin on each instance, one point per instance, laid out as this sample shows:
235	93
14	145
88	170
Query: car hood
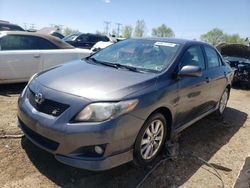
237	50
95	82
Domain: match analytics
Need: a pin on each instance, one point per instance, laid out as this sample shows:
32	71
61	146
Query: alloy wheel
223	102
152	139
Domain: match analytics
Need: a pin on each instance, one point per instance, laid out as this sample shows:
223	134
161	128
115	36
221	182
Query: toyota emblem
39	98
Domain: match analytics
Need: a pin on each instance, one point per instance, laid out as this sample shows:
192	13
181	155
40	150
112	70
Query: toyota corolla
124	102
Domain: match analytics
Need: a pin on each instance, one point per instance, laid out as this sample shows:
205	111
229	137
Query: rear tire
150	140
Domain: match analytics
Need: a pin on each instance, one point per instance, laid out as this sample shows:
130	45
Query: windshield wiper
134	69
115	65
102	62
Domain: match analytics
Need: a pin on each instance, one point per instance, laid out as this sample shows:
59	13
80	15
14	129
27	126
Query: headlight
32	77
105	110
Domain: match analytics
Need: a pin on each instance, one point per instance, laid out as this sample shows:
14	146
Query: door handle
36	56
208	79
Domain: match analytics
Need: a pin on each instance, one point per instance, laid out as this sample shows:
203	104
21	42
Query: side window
45	44
82	38
18	42
93	38
212	57
193	56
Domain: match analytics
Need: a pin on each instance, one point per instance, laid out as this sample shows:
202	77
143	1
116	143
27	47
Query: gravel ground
224	143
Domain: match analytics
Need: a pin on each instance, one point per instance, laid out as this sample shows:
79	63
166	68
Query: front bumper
63	139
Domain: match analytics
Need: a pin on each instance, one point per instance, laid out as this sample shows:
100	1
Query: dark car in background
85	40
238	57
7	26
124	102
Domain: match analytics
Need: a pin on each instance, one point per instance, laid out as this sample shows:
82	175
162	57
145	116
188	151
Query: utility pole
25	26
106	27
32	26
118	29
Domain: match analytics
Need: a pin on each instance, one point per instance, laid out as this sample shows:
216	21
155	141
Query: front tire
223	103
150	140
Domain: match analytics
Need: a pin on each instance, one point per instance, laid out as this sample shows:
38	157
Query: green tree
163	31
127	31
235	38
69	31
214	37
140	28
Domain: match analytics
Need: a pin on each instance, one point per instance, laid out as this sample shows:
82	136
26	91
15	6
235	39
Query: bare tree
140	28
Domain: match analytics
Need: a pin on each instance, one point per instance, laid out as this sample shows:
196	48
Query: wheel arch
229	89
169	118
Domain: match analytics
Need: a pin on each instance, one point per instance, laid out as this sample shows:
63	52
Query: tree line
214	37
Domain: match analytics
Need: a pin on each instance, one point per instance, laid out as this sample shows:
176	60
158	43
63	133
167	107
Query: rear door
51	55
82	41
20	58
93	39
216	74
193	92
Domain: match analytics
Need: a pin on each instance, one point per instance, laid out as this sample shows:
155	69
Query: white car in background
100	45
23	54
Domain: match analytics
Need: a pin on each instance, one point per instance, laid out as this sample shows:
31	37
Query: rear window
10	28
103	38
212	58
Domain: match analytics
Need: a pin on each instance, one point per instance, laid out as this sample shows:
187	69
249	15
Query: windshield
144	54
70	37
238	59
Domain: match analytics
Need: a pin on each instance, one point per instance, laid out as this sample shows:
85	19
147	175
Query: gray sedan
124	102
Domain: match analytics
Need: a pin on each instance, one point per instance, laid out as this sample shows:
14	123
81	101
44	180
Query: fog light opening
99	150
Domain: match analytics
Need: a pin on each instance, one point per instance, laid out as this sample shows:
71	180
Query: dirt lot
224	143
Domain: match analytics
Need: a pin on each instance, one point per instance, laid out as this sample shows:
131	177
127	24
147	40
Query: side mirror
190	71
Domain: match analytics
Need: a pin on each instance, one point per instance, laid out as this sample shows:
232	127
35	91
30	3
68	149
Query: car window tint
93	38
212	57
221	62
82	38
103	38
45	44
193	56
18	42
10	28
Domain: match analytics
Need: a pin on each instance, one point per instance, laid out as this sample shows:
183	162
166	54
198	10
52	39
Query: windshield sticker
165	44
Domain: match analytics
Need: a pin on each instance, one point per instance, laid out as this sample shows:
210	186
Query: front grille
47	106
45	142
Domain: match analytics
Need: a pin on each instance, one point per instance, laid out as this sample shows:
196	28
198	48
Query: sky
187	18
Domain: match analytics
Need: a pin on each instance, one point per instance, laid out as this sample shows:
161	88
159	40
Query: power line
118	29
106	27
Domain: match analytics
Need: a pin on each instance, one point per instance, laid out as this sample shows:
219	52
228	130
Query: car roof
79	33
174	40
59	43
5	23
